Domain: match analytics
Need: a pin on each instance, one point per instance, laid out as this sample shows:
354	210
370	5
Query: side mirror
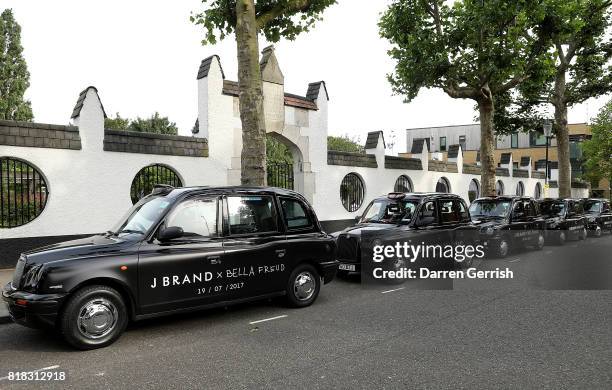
170	233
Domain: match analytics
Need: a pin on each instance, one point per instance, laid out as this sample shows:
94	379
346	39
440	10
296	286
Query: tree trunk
253	157
487	142
563	152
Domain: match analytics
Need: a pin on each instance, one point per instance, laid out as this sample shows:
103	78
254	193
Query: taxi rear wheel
94	317
597	231
561	238
540	241
583	234
303	286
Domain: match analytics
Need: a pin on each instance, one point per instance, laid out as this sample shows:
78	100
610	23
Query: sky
143	56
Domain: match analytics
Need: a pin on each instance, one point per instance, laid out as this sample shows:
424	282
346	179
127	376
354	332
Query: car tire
540	241
561	238
583	234
502	249
303	286
94	317
597	232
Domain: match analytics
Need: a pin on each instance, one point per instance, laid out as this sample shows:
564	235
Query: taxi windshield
552	208
592	207
141	217
490	209
389	211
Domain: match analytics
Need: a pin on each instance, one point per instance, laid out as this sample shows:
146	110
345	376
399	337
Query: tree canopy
344	144
276	19
598	150
154	124
14	75
472	49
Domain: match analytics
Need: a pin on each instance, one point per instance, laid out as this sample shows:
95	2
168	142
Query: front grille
18	272
348	248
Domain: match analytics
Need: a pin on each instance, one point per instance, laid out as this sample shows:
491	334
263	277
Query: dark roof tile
453	151
372	140
314	89
205	67
79	104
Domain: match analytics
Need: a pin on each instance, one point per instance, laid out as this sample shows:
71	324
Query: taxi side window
530	210
606	207
197	217
295	214
251	214
428	214
518	212
449	211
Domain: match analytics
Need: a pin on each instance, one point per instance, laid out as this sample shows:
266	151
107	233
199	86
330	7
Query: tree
277	152
116	123
14	75
344	144
580	37
155	124
473	50
598	150
275	19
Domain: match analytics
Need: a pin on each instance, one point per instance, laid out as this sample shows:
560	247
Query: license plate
346	267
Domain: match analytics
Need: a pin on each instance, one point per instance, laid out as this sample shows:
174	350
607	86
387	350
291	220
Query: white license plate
346	267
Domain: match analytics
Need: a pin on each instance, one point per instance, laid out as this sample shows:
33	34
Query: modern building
521	145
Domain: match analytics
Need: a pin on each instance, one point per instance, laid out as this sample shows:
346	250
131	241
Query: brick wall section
351	159
502	172
392	162
471	169
147	143
441	166
520	173
537	175
39	135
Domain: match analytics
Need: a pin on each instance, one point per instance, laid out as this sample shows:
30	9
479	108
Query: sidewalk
5	276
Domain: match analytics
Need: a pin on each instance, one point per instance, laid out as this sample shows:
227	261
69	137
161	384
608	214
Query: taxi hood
84	247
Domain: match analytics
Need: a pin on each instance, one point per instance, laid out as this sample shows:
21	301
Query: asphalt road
548	327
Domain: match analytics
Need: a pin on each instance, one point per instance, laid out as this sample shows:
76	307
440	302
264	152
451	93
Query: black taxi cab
175	250
417	216
599	216
565	220
508	222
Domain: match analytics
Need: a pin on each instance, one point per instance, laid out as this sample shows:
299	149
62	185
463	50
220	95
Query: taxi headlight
32	277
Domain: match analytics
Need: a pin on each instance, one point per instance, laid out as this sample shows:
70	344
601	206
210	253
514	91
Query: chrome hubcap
598	231
304	286
503	248
97	318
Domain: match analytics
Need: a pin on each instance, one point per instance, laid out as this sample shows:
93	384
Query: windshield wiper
130	231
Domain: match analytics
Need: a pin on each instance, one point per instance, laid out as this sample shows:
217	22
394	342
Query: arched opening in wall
284	163
537	192
352	192
149	176
473	190
403	184
520	188
23	192
443	185
499	188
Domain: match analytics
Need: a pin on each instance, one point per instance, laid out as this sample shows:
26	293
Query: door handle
214	259
281	253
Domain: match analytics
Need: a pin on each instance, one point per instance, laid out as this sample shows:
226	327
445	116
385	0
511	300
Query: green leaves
598	150
276	19
155	124
461	48
14	75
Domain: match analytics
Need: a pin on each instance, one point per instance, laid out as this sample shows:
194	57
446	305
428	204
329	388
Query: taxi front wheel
303	286
94	317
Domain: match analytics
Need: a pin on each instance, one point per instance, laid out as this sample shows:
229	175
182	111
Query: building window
520	189
149	176
537	193
499	188
537	138
514	140
403	184
462	142
443	185
352	192
442	144
473	190
23	192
